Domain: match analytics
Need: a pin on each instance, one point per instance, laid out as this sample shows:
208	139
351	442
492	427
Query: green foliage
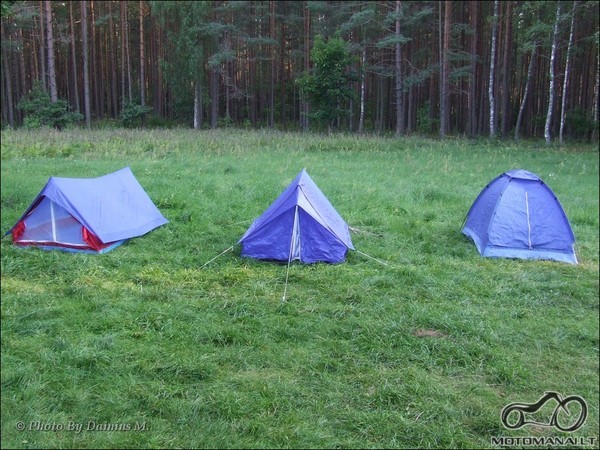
329	85
133	115
580	124
426	123
191	40
40	110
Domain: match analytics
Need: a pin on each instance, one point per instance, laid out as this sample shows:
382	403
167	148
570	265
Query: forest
501	69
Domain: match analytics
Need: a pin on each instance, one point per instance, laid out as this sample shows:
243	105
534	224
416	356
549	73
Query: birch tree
563	106
551	86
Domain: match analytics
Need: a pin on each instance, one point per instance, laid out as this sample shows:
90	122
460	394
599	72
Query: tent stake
374	259
286	281
224	251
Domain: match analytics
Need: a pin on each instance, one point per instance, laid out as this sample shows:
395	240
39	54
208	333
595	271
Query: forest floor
145	346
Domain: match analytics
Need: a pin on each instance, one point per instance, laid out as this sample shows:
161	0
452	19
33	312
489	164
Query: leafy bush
134	115
329	85
581	125
40	110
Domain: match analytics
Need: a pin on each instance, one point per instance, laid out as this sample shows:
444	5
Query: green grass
422	353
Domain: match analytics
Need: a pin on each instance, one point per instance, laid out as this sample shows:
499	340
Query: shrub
40	110
134	115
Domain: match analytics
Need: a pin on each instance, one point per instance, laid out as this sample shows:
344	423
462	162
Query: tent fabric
518	216
88	214
301	224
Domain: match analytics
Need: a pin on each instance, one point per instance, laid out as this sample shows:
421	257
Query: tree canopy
385	67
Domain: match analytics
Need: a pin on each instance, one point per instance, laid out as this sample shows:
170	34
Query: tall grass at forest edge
145	347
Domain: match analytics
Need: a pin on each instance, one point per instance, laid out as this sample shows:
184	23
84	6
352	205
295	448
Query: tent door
295	246
528	221
50	223
53	220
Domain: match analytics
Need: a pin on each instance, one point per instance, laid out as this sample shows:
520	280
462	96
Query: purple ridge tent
518	216
92	215
300	224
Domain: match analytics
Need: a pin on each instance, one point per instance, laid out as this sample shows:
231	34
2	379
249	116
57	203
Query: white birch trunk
563	106
361	119
551	89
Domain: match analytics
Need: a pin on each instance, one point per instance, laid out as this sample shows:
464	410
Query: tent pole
287	274
528	222
53	221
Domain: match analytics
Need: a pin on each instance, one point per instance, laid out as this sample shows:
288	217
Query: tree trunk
160	95
226	79
214	98
526	91
596	103
440	54
123	14
74	59
551	87
563	109
492	73
86	69
282	75
398	87
8	81
43	61
361	118
51	61
142	58
506	71
444	101
113	68
305	105
94	64
472	100
198	104
25	75
272	86
128	55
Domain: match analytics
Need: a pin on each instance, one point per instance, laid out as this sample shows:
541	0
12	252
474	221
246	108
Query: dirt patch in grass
429	333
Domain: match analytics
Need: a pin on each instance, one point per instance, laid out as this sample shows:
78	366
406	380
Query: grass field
143	347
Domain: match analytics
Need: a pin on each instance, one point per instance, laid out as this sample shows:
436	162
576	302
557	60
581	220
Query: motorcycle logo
561	417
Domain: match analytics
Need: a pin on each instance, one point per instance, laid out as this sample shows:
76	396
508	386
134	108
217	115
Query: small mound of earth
429	333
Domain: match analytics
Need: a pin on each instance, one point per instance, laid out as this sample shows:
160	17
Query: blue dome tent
518	216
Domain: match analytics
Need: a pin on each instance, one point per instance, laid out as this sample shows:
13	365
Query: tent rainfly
92	215
518	216
301	224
